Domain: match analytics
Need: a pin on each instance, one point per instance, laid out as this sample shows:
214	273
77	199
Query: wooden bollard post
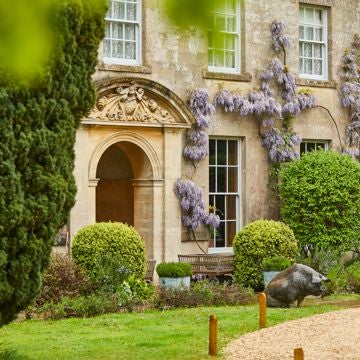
298	354
213	335
262	309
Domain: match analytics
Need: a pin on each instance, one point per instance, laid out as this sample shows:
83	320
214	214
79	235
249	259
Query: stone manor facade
129	149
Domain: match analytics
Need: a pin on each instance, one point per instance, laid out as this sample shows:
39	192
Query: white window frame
323	43
237	33
227	249
325	144
138	34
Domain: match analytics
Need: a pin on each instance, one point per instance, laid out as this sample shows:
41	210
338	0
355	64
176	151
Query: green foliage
320	199
353	277
276	263
256	241
105	240
174	269
37	130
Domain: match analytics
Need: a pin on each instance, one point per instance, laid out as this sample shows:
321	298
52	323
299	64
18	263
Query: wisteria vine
189	194
265	106
350	96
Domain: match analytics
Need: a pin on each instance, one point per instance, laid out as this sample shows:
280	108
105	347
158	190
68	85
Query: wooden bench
210	264
150	266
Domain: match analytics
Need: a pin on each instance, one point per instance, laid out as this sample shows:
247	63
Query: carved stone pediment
130	103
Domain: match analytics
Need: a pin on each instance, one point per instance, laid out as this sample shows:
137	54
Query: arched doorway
114	191
124	190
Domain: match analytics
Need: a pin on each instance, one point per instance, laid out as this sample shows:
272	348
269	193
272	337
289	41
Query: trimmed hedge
120	240
256	241
174	269
320	199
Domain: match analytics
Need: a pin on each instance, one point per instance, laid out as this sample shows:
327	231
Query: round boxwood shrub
256	241
174	269
320	199
101	239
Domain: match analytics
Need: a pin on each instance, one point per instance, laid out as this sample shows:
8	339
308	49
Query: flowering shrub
350	96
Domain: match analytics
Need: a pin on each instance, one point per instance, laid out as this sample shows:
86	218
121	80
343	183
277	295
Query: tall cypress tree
37	134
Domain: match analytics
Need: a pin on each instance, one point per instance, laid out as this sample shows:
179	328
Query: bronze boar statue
293	284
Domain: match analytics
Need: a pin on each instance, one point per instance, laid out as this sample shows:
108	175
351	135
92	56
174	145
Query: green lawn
171	334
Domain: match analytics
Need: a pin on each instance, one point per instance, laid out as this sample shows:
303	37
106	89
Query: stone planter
268	276
174	282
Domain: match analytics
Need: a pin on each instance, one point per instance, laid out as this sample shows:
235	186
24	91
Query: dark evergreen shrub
320	199
256	241
121	241
37	131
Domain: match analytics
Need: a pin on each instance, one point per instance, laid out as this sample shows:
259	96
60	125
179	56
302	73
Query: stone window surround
329	83
143	67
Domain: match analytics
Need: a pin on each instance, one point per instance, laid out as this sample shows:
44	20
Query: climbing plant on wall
350	95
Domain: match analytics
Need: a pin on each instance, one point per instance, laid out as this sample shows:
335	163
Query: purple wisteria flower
279	39
193	205
201	107
350	96
281	145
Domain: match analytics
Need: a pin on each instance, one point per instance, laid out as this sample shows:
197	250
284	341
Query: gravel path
330	336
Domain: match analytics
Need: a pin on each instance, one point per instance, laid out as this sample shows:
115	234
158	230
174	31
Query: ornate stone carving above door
138	102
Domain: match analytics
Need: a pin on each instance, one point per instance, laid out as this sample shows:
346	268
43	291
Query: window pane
318	34
302	148
117	49
220	23
212	172
221	179
318	16
310	146
231	207
220	235
301	66
308	66
230	42
130	32
119	10
317	51
219	58
220	205
130	50
211	152
301	14
318	67
107	30
308	50
231	232
107	48
309	33
231	6
309	15
131	11
211	57
233	152
231	24
233	179
221	152
229	59
301	32
117	31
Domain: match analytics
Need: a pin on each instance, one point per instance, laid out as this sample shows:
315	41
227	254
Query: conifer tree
37	131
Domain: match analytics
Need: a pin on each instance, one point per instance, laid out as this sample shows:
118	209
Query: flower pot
174	282
268	276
